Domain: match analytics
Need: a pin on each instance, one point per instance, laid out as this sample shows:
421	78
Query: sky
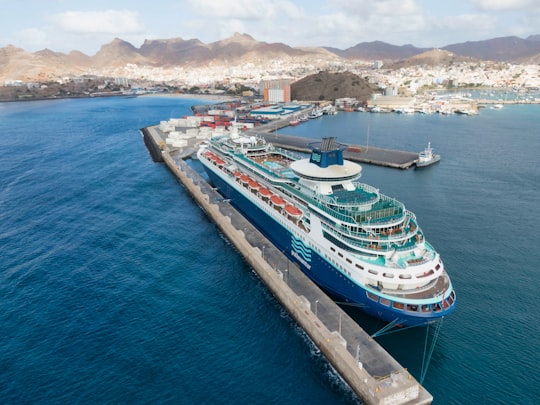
66	25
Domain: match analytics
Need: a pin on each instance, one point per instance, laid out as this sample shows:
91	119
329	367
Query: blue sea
116	288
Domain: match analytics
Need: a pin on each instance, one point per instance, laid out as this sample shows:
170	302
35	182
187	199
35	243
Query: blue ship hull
317	268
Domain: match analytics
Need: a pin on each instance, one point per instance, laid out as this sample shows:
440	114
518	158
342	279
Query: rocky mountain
378	50
118	53
329	86
16	64
176	51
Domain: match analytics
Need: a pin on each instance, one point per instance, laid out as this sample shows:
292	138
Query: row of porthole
333	264
374	272
437	307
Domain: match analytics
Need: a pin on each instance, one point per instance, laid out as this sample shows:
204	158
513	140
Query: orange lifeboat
278	201
244	179
293	211
264	192
253	185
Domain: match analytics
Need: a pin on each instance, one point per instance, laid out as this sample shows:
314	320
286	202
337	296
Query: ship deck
434	289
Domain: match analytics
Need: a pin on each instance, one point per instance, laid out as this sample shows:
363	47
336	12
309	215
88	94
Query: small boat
315	113
427	157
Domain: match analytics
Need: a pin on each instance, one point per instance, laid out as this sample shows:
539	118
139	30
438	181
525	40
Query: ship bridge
326	170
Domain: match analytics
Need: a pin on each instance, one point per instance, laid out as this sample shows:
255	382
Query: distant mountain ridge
499	49
17	64
378	50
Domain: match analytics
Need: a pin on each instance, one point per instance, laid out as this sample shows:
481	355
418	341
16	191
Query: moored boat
356	243
427	157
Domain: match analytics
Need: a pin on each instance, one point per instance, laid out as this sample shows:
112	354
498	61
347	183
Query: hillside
434	57
330	86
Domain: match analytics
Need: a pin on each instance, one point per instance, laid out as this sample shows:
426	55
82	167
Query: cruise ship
359	245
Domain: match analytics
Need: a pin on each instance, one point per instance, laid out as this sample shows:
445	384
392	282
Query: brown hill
116	54
175	51
433	57
16	64
330	86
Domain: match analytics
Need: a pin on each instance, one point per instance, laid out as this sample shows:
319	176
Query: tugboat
427	157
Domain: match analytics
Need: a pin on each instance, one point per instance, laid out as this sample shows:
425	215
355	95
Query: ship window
427	273
349	260
371	296
332	249
360	267
372	271
437	267
398	305
340	254
388	275
413	308
405	276
386	302
426	308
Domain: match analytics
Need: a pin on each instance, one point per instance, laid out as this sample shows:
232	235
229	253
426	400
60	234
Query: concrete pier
397	159
368	369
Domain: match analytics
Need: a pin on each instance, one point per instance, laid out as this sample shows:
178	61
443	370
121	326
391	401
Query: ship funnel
327	152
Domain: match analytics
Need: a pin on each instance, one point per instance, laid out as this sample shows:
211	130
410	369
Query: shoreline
211	97
203	97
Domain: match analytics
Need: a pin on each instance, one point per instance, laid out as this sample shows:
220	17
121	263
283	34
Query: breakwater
152	146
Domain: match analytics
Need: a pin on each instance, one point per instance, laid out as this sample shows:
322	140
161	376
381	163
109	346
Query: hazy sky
65	25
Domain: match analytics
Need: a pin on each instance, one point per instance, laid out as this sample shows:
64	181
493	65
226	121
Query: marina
369	370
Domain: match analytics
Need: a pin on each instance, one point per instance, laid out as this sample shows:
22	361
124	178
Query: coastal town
404	86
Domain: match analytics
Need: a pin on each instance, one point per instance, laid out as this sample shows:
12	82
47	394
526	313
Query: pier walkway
369	370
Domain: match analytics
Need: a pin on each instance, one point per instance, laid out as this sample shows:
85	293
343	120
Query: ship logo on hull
300	251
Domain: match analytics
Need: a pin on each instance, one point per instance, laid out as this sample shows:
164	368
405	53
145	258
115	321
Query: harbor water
116	288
